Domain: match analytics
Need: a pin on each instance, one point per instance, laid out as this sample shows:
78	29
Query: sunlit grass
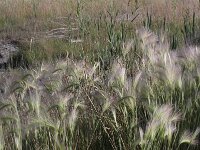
101	75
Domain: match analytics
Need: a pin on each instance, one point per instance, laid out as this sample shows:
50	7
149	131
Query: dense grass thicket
101	75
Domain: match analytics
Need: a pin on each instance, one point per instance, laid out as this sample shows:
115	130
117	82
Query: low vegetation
101	75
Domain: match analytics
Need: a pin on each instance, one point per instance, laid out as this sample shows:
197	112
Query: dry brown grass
22	11
172	10
45	8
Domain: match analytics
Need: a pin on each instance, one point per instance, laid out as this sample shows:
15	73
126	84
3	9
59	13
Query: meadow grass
101	75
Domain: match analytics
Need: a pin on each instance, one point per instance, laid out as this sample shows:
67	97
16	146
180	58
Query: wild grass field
100	75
